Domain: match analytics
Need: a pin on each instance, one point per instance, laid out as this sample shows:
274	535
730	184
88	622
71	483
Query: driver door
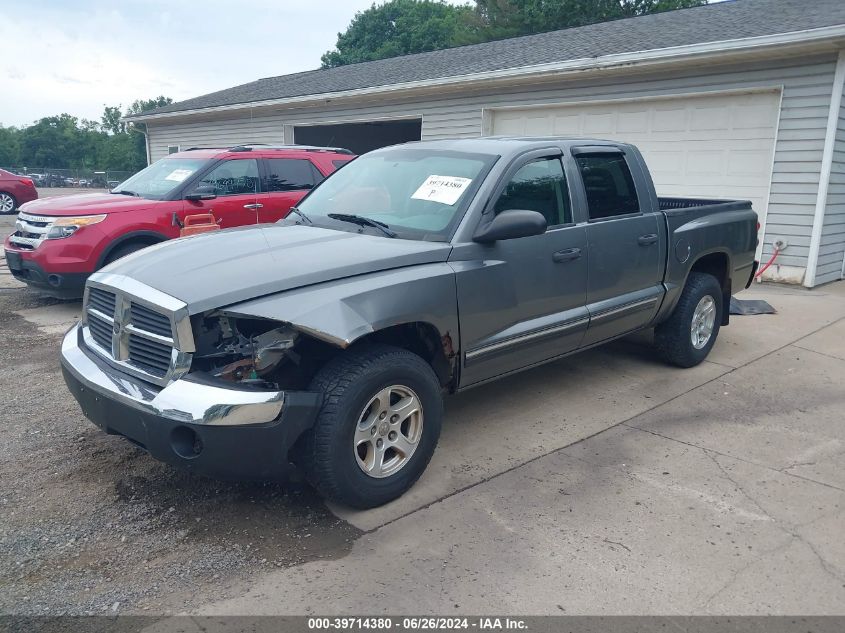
526	301
235	183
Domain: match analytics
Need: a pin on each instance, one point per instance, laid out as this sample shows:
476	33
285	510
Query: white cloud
77	56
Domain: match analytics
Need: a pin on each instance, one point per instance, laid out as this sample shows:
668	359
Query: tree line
67	142
402	27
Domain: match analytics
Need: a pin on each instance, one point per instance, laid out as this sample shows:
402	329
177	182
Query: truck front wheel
377	428
686	338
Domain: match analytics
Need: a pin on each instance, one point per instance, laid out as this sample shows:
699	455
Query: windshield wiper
125	192
360	220
302	215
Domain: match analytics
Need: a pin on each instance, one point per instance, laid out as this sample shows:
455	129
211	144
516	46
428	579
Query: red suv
59	241
14	191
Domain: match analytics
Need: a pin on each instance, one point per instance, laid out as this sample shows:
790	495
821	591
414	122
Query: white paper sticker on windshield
442	189
179	174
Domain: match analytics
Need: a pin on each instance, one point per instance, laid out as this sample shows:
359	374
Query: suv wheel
7	203
686	338
377	428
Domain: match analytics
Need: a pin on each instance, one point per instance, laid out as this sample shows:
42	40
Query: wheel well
424	340
717	265
140	239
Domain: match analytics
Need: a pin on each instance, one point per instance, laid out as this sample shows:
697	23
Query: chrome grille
149	355
30	230
124	324
149	320
101	331
102	301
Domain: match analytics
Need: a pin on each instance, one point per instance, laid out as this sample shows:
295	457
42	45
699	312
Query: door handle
566	255
645	240
255	205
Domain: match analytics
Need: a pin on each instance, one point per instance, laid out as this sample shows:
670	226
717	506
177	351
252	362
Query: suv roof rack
248	147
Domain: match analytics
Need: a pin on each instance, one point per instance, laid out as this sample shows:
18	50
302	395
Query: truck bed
685	204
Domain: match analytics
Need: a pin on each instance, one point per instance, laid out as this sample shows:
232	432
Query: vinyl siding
806	84
832	251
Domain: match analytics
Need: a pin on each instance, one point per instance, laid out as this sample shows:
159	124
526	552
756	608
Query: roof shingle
736	19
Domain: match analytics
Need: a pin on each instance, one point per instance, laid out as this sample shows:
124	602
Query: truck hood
213	270
86	204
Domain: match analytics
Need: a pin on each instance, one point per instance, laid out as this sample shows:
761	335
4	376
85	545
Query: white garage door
709	146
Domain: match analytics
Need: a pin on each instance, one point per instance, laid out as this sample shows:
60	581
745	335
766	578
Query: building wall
832	251
806	88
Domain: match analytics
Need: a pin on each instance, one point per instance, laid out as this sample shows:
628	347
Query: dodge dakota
325	342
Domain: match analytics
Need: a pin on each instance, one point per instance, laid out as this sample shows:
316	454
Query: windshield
162	177
418	193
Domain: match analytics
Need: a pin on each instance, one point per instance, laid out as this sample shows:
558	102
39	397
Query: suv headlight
65	227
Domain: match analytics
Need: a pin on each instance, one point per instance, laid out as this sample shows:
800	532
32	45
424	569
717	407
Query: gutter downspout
826	168
147	144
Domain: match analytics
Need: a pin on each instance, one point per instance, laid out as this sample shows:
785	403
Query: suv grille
133	334
30	230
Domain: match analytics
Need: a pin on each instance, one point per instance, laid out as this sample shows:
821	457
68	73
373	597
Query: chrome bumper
183	400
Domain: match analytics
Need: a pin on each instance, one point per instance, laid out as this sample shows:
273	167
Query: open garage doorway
359	137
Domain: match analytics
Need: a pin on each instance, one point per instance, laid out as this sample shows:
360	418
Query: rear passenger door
624	285
286	181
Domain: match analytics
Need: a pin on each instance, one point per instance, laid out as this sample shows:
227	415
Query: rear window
608	184
291	174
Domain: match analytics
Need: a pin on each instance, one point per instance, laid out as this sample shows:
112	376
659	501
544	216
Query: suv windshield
418	193
162	177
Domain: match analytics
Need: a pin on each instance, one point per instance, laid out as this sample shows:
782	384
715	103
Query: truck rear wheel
686	338
377	428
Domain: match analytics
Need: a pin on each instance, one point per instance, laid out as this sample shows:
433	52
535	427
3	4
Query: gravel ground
91	524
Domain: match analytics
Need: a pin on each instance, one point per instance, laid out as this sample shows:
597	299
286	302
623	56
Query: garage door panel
712	146
669	119
565	124
636	122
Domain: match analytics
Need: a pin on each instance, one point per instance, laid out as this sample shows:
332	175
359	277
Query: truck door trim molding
628	308
529	337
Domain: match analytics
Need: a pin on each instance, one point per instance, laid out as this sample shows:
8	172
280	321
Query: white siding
832	251
806	87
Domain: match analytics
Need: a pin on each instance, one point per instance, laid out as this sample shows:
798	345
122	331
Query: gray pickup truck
327	341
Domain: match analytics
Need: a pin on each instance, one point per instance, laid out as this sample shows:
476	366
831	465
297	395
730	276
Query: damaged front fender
343	311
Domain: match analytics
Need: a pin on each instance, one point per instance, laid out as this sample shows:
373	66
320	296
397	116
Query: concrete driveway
606	483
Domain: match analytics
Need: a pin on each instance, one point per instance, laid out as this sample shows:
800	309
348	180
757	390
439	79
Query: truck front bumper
212	430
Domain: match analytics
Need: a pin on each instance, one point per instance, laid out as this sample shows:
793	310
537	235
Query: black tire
123	251
349	381
672	338
6	195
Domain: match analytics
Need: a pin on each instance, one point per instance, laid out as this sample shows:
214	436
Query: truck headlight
65	227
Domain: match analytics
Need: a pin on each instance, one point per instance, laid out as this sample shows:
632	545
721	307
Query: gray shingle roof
729	20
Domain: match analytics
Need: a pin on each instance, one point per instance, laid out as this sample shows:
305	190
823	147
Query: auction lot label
370	624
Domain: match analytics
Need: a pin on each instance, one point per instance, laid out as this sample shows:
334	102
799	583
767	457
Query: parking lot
605	483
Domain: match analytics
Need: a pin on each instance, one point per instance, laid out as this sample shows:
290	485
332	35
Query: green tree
9	146
137	130
400	27
508	18
110	121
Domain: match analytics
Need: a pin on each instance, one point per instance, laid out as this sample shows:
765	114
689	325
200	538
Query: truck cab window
609	186
539	186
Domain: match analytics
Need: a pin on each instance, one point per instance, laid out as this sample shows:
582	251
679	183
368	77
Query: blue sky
77	56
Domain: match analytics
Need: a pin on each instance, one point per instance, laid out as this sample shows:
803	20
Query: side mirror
511	224
203	192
